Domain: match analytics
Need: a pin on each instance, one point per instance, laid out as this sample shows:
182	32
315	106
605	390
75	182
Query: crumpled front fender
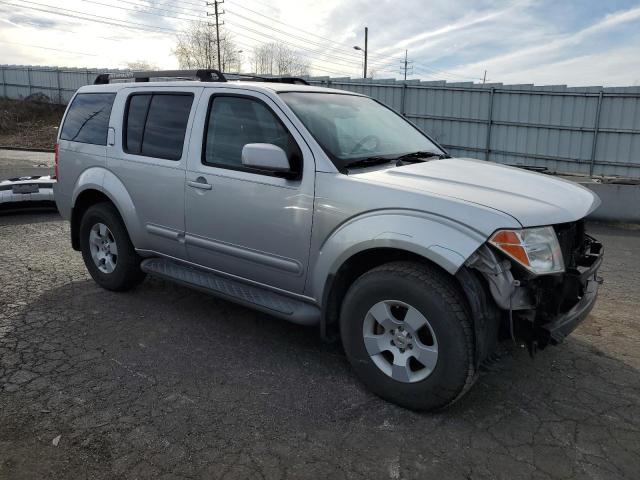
439	239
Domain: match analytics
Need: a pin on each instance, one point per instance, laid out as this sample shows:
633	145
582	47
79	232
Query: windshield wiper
368	162
419	156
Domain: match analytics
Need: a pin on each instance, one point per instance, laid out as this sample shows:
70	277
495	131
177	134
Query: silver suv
326	208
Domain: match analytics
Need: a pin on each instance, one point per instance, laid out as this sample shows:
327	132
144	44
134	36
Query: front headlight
536	249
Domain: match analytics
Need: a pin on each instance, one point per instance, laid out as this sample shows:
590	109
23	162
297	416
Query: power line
337	58
336	55
343	45
87	16
380	64
199	17
136	10
317	55
348	56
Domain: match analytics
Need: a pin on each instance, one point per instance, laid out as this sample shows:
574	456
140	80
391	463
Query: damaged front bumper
27	192
535	310
587	283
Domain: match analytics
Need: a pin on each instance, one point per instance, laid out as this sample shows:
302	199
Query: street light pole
239	53
366	38
364	50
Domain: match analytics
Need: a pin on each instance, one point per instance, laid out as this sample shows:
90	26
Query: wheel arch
369	241
100	185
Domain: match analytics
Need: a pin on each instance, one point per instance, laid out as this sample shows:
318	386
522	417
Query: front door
251	224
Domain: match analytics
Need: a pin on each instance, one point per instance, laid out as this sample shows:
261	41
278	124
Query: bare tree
278	59
141	66
196	48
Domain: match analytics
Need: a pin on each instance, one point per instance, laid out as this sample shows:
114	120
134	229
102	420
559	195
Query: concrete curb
620	203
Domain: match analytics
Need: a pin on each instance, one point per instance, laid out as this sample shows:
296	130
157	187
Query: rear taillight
55	157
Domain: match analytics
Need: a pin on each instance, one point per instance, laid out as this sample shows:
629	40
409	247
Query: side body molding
439	239
98	178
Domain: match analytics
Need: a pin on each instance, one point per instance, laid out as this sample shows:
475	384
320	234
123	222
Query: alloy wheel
400	341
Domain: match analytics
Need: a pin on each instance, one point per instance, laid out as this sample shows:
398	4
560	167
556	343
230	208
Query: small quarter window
138	107
156	124
87	120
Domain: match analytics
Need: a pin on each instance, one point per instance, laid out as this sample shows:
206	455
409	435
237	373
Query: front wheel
407	334
107	250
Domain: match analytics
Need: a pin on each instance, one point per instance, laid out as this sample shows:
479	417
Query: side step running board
270	302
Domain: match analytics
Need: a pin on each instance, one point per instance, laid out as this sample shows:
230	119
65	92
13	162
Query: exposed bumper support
563	325
566	323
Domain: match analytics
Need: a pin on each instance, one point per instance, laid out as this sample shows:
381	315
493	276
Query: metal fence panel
584	130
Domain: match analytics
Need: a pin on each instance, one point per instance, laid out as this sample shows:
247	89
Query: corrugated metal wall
584	130
58	84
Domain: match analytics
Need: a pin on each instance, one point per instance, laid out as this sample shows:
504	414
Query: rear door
149	155
248	223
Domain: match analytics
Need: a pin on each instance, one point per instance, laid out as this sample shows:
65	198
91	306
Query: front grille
571	237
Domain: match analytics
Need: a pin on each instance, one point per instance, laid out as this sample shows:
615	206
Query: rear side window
155	124
87	120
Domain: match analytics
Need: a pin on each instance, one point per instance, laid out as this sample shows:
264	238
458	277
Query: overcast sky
574	42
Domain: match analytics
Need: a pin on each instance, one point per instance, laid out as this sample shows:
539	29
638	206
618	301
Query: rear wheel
107	250
407	333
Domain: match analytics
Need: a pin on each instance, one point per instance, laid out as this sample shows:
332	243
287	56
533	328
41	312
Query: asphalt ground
166	382
18	163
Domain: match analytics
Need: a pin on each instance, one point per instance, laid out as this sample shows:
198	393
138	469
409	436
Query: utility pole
366	43
406	52
217	14
484	79
406	64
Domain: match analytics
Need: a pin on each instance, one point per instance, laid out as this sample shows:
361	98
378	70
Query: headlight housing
536	249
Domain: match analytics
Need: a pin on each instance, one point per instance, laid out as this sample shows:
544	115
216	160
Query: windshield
351	128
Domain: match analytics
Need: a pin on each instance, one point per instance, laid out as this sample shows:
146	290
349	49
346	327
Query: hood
533	199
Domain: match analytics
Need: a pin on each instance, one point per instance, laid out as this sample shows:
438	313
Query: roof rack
202	75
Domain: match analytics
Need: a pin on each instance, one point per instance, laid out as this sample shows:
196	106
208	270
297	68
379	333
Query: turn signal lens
536	249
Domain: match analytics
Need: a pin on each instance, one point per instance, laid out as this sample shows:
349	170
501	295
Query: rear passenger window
155	124
87	120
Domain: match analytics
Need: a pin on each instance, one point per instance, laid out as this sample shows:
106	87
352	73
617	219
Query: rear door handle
200	183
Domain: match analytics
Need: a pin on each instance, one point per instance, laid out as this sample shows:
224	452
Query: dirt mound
29	123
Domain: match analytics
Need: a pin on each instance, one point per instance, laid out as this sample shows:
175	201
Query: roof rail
248	76
203	75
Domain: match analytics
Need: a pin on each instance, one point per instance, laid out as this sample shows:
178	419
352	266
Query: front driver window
234	122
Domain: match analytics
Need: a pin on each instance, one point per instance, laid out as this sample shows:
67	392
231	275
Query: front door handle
200	183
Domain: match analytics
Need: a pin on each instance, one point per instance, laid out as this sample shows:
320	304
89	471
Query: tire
444	344
123	270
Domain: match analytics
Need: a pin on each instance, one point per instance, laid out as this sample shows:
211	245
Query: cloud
521	41
40	22
560	53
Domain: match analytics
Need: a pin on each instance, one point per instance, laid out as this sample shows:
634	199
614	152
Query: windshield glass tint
349	127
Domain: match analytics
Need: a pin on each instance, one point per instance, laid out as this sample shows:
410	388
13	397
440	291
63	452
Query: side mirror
265	156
